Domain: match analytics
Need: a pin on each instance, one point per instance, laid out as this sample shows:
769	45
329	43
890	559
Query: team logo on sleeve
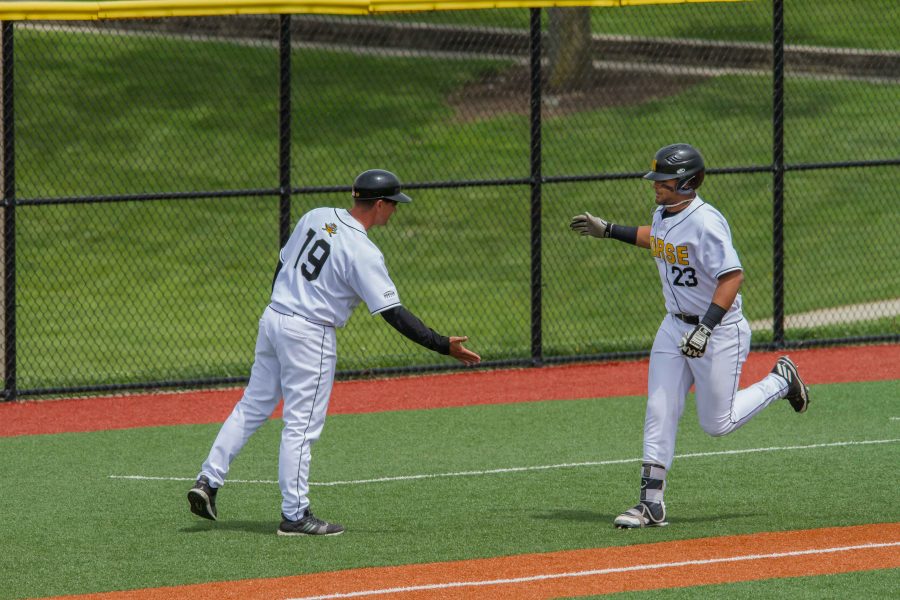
330	229
389	294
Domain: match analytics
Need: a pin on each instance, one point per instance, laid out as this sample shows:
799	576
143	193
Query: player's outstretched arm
588	224
461	353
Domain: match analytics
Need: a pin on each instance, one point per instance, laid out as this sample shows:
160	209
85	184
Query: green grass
133	292
76	530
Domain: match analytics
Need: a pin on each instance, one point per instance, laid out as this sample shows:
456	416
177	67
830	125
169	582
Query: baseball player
327	267
704	339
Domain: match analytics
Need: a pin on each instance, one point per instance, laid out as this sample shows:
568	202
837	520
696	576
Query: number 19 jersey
692	249
329	264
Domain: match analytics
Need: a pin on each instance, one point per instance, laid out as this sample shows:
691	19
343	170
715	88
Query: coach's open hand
462	354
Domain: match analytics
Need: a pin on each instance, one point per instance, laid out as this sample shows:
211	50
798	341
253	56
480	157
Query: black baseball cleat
203	499
644	514
309	524
797	394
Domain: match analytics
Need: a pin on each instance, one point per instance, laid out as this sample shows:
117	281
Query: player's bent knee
718	428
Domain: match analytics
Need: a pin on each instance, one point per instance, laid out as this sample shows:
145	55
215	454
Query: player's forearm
639	236
413	328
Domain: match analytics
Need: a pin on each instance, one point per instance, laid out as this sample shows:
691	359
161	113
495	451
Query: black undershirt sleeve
412	327
623	233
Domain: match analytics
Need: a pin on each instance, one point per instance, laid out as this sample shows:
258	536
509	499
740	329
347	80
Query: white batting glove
587	224
693	344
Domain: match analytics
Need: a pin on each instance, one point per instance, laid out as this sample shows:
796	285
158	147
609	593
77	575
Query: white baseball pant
721	407
295	358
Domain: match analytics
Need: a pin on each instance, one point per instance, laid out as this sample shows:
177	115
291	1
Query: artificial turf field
97	511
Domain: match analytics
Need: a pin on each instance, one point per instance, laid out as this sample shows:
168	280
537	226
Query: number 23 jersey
329	264
692	249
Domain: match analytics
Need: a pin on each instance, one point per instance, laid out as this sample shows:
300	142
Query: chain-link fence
153	167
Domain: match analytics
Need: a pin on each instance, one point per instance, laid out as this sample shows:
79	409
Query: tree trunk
569	48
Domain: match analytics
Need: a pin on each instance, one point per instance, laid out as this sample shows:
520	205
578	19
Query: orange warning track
570	382
579	572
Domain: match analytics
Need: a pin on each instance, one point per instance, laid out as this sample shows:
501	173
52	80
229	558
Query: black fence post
9	213
536	297
778	174
284	149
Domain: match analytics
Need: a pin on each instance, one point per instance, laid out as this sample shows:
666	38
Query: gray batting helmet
678	161
376	184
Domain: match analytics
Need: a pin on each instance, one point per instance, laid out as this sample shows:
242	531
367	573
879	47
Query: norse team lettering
670	253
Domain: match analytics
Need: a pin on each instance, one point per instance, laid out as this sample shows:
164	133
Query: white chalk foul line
595	572
523	469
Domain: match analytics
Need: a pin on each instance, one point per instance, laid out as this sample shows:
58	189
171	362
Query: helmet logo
681	170
653	165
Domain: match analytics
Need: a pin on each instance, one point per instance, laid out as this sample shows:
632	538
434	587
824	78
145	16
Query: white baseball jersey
693	248
329	265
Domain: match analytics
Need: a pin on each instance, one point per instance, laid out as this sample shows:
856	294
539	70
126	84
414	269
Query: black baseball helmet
678	161
376	184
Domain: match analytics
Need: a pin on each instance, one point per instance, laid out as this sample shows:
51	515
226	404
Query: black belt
689	319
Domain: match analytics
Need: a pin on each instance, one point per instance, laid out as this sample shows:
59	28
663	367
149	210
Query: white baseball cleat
643	515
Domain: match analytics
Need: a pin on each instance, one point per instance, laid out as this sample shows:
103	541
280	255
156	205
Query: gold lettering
682	255
670	254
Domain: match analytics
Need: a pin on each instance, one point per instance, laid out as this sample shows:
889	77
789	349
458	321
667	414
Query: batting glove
587	224
693	344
